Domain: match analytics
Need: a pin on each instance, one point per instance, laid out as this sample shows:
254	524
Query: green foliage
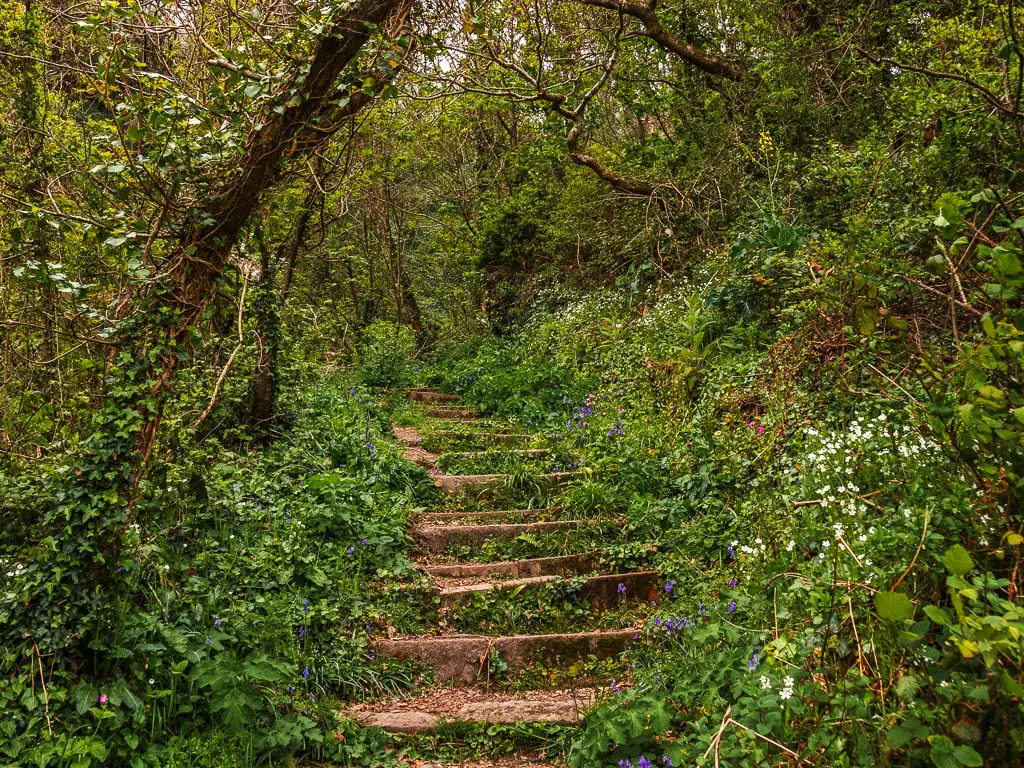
384	354
230	619
793	367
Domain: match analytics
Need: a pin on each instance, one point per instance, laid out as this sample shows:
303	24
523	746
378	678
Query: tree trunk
268	307
209	235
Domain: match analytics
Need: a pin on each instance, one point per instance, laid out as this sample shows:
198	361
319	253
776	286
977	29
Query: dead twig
920	546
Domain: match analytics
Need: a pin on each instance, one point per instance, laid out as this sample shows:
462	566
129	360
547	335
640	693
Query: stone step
424	714
437	539
508	515
432	396
497	437
479	483
464	658
462	414
518	569
526	453
600	591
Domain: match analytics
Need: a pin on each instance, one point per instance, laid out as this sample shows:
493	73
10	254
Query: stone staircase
469	668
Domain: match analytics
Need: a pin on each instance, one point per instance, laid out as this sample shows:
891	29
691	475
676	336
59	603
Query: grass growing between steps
555	673
495	461
455	742
529	546
447	437
552	608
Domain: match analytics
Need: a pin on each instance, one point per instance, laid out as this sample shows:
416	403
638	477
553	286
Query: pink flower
103	698
760	430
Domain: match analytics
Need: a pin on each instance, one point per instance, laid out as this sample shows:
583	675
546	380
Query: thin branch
653	29
989	96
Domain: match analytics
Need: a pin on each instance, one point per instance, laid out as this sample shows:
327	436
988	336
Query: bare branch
653	29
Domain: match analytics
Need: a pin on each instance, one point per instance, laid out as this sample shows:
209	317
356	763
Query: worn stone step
526	452
464	658
497	437
432	396
437	539
507	515
480	483
600	591
518	569
462	414
424	714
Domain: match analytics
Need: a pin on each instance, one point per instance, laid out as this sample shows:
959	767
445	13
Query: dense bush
227	618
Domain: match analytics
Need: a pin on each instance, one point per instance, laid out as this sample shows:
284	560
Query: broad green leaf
907	687
957	560
937	615
893	606
896	737
967	756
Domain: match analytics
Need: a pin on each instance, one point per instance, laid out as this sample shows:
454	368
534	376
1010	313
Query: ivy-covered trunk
89	517
267	308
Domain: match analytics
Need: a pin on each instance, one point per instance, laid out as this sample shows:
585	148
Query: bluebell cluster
580	416
674	625
643	762
570	466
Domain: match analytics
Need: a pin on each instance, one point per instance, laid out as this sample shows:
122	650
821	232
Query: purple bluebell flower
667	761
312	697
733	583
622	588
732	552
643	762
363	542
305	606
216	622
291	689
302	632
208	640
732	606
373	654
351	550
305	673
669	587
701	609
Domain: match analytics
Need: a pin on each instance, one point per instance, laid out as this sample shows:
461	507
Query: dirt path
415	453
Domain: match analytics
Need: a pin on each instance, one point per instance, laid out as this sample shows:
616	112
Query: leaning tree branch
652	28
207	237
574	116
1004	106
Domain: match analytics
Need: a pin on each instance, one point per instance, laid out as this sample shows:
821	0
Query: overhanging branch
653	29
